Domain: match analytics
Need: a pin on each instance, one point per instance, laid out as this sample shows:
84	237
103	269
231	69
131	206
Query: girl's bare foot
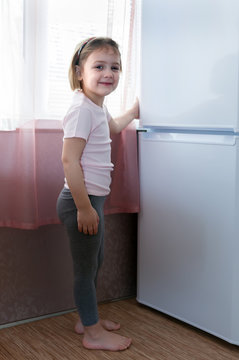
96	337
106	324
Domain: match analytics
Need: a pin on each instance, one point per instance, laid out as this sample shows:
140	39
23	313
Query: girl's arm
87	216
118	124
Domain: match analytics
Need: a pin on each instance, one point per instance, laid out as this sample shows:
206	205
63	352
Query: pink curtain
124	196
17	177
31	175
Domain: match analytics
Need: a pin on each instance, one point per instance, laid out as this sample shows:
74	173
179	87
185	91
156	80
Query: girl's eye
115	68
99	67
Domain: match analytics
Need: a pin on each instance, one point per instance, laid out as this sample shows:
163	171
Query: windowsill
51	126
46	125
39	126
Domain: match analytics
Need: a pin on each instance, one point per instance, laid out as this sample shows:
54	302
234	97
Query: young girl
86	156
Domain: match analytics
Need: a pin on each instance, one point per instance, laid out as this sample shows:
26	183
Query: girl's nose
108	73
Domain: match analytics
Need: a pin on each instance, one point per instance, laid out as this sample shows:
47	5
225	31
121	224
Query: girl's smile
99	74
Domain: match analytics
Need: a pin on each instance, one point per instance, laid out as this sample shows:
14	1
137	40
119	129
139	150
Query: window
38	38
68	22
11	60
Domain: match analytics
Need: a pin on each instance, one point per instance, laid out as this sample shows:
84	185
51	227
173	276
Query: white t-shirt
89	121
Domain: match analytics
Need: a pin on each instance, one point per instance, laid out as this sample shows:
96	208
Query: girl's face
100	74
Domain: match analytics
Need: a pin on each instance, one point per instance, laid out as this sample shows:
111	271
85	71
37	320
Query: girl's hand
88	221
119	123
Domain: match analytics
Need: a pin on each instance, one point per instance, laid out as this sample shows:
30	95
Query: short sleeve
77	123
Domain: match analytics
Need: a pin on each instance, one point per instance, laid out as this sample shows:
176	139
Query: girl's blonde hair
82	52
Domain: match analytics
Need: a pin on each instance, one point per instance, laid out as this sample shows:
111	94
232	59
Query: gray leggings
87	254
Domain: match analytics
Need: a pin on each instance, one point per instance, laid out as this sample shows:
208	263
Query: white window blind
11	60
69	22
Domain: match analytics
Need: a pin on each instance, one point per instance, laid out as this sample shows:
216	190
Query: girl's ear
78	72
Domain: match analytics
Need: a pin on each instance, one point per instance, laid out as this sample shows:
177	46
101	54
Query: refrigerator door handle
211	139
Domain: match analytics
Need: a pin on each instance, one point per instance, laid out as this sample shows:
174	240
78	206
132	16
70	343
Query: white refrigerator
188	229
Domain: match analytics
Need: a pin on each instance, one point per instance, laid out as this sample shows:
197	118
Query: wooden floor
155	336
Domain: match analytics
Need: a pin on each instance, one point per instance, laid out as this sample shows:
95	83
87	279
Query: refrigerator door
190	64
189	229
